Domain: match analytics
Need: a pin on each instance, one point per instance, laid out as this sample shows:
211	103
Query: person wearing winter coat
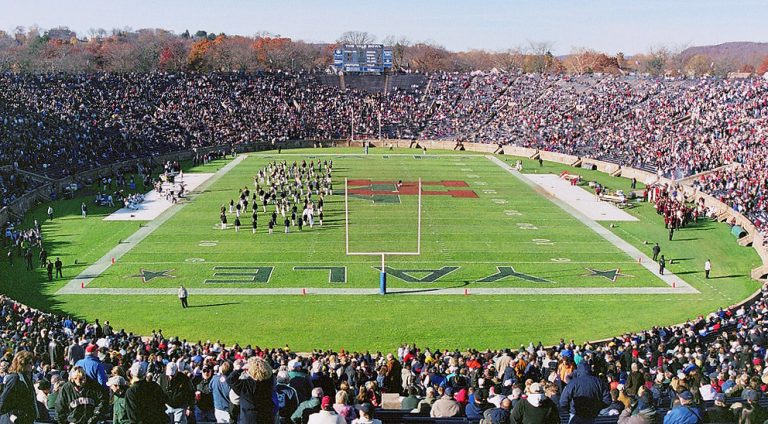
81	401
258	399
684	413
17	400
585	395
535	409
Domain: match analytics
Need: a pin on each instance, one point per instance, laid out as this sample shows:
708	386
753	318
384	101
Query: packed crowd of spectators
58	125
83	370
13	185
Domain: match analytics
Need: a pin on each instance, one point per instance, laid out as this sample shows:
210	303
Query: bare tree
357	37
541	55
399	47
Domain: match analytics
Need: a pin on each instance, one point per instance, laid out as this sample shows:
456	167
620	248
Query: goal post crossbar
382	273
346	228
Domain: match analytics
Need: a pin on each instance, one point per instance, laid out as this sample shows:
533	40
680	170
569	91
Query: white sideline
101	265
580	199
155	203
676	283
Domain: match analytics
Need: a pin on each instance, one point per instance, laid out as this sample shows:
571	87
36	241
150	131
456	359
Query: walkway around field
101	265
676	283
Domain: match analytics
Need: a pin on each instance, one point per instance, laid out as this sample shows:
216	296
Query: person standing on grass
183	296
84	209
50	213
656	251
49	269
223	218
59	266
28	259
707	268
237	224
43	257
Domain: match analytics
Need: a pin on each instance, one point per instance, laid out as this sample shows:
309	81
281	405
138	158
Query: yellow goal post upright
383	272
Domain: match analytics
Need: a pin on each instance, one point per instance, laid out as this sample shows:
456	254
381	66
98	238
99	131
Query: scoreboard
363	58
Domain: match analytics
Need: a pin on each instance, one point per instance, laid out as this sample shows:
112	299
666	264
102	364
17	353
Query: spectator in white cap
536	408
118	385
179	391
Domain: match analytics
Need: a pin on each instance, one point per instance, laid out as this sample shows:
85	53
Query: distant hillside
736	53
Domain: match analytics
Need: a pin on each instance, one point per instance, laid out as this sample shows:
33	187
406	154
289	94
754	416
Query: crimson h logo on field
381	190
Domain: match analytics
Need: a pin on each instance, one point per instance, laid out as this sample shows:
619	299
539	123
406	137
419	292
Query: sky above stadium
609	26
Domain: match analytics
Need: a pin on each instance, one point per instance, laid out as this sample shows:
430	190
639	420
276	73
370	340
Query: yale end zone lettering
241	274
336	274
508	271
432	274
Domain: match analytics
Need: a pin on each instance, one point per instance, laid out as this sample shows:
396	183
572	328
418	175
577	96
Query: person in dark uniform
237	223
254	225
28	259
656	251
271	225
671	233
301	223
634	183
49	268
287	223
223	218
541	162
59	265
662	265
43	257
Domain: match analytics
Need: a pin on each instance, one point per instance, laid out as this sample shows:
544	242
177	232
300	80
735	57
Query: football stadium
215	228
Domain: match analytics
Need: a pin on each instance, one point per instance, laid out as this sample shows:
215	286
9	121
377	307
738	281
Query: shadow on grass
213	305
727	276
394	291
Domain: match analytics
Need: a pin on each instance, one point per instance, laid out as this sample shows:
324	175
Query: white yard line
249	291
101	265
677	283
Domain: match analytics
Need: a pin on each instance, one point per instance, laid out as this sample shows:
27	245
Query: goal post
383	254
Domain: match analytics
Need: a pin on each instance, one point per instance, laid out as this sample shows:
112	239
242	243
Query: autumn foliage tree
272	52
763	67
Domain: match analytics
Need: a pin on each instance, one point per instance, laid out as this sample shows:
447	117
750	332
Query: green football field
494	256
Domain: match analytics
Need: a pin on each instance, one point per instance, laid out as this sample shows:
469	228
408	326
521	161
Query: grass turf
475	234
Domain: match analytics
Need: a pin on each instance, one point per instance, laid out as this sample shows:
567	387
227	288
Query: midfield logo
377	189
